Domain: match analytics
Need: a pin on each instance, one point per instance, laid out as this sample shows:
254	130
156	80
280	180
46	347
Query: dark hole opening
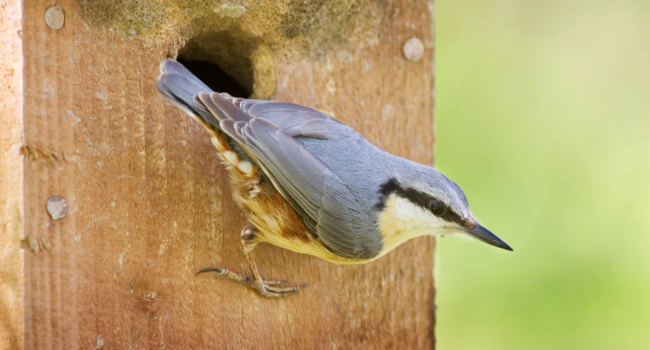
215	77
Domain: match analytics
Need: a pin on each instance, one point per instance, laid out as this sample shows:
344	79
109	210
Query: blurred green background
543	117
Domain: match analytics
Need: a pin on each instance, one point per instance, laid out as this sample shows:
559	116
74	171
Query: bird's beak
481	233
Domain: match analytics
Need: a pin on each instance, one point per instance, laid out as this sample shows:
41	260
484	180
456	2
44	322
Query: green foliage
543	118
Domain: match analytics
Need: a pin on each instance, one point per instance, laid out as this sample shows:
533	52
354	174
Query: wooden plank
11	177
149	203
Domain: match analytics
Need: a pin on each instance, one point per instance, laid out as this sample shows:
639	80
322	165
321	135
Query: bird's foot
269	289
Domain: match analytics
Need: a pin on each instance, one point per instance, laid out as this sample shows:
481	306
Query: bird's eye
436	207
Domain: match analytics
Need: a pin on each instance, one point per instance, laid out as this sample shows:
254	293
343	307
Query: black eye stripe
422	199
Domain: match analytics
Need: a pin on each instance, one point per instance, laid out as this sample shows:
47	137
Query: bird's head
425	202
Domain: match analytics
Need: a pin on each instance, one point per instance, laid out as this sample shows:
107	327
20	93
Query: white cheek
416	217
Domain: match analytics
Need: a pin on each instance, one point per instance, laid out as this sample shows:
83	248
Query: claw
218	270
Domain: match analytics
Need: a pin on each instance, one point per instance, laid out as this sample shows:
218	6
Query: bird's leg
268	289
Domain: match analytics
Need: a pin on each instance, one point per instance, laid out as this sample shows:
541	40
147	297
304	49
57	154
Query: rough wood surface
11	177
149	203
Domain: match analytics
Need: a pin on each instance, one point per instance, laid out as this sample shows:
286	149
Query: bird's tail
185	90
181	87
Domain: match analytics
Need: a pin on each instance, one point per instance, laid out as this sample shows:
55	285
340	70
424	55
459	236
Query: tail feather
220	110
181	87
169	66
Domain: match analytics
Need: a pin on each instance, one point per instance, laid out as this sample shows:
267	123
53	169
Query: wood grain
149	203
11	177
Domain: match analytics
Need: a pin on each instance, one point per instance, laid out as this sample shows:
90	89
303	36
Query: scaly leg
255	281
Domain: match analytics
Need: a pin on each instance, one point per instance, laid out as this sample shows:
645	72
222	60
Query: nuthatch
313	185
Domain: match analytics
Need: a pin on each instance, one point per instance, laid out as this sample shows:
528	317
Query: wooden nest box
111	199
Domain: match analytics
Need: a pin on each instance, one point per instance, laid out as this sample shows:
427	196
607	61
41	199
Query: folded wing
266	130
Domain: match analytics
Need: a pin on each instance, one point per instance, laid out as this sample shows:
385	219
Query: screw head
54	17
413	49
57	207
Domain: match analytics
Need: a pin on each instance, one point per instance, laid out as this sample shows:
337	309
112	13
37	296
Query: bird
313	185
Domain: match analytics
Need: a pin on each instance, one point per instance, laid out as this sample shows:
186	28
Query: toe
275	283
290	290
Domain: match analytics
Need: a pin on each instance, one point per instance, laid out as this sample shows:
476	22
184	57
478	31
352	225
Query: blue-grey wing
267	131
327	205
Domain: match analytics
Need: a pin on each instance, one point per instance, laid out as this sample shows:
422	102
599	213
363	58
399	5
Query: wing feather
267	131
